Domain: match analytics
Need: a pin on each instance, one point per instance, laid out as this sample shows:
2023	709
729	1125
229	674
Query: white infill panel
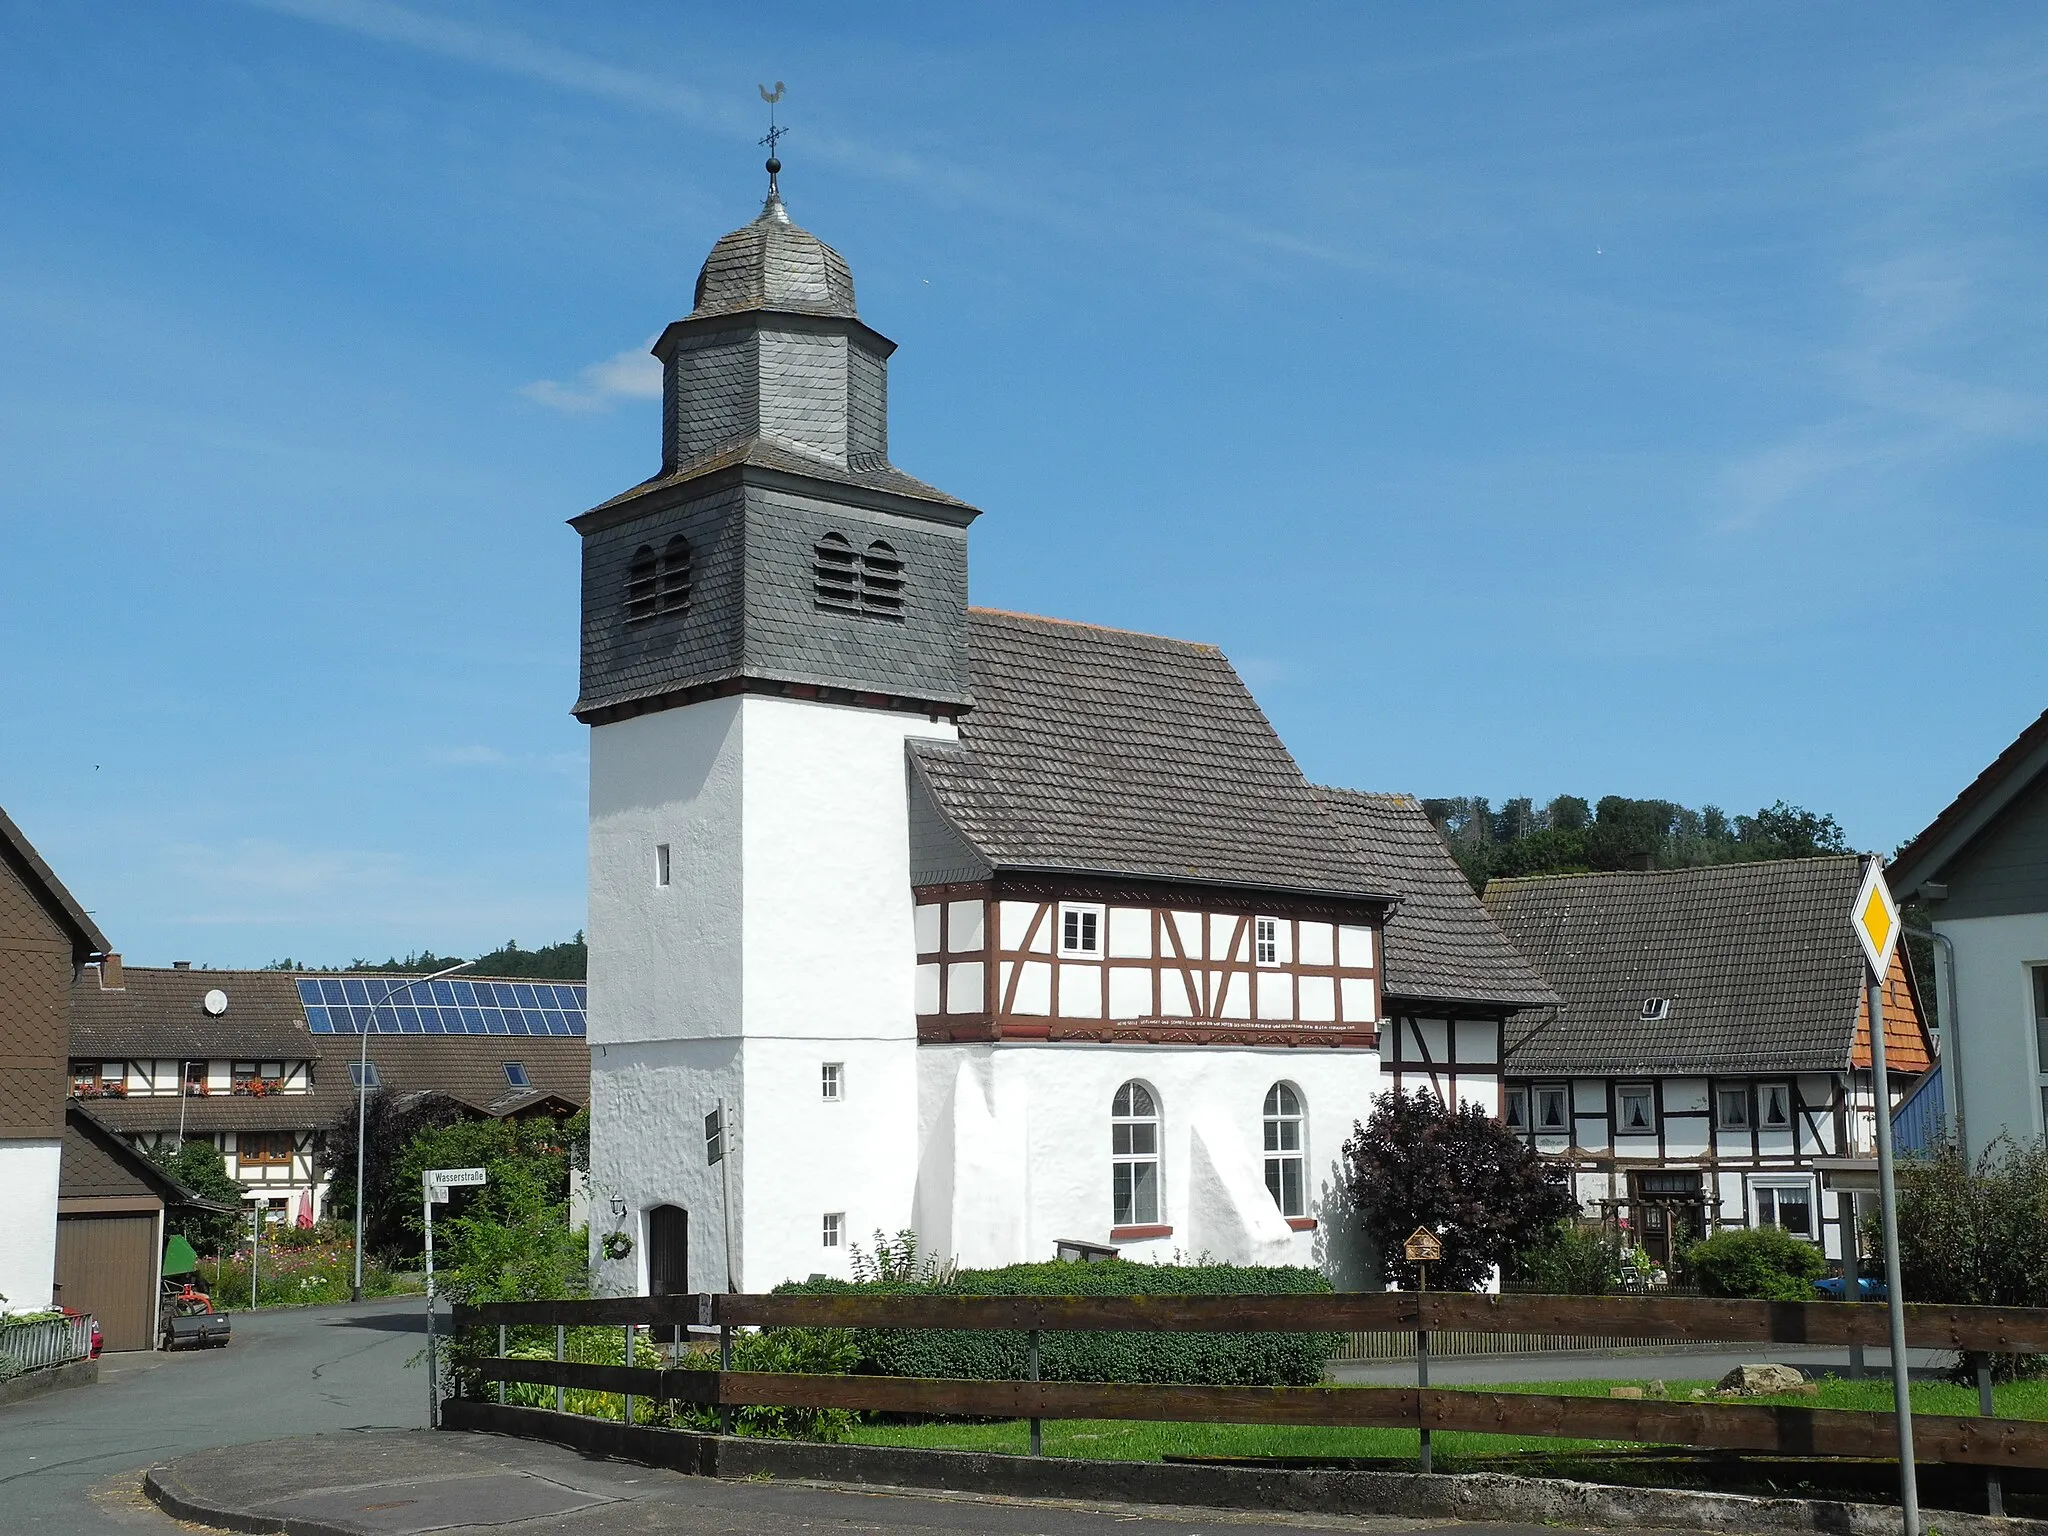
1477	1042
1235	992
1276	995
1130	933
1355	995
1354	946
1187	927
926	922
1318	944
1034	987
1318	999
1174	1002
928	989
1080	992
1016	923
964	987
1130	991
963	927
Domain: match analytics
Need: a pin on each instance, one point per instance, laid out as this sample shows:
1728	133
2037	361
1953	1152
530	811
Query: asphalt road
72	1461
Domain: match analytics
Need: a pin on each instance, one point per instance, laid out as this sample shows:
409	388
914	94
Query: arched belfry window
1134	1156
1284	1161
658	584
867	582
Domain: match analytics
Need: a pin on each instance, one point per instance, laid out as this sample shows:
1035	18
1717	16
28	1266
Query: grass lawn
1137	1440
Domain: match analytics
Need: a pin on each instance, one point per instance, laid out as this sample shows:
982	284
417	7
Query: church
1020	933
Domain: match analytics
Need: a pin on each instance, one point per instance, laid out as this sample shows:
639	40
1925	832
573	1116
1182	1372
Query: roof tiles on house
1756	961
161	1013
1440	945
1102	751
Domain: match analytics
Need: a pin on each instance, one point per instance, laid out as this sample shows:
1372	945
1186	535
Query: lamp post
355	1290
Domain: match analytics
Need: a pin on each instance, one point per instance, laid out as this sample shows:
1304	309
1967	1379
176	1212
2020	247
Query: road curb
1487	1496
161	1484
52	1378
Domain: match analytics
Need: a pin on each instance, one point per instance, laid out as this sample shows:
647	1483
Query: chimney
181	965
110	973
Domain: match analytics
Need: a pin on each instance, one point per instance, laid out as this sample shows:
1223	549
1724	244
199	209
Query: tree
198	1166
1782	831
510	1239
391	1122
1457	1171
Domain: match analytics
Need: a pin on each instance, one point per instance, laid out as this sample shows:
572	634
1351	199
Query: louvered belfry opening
658	585
867	582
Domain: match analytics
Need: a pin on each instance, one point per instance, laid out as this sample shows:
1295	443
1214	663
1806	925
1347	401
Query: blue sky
1594	398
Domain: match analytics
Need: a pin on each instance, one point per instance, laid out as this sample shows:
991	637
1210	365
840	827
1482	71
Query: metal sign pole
725	1146
433	1356
1902	1389
1422	1360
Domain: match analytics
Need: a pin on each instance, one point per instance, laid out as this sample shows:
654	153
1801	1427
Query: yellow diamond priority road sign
1875	917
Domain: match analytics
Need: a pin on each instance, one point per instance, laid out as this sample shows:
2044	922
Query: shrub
1977	1236
1460	1173
1271	1359
1765	1263
1574	1258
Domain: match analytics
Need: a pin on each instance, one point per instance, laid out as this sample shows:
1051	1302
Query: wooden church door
668	1251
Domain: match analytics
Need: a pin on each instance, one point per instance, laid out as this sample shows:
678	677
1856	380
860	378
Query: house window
1786	1203
1636	1107
1515	1109
1134	1157
515	1074
1656	1008
834	1229
1266	940
832	1081
1731	1108
1774	1106
1553	1110
2041	1033
661	864
1284	1162
264	1149
714	1137
363	1075
1080	930
658	584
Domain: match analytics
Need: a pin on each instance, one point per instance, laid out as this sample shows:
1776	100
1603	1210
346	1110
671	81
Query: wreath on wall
617	1245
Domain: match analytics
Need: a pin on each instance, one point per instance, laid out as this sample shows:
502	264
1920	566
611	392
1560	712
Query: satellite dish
215	1002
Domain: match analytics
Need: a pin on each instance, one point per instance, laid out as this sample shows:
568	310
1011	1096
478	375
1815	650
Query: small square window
363	1074
835	1228
661	864
1515	1109
832	1081
714	1138
1731	1108
1636	1107
1080	930
1553	1111
1266	940
1787	1205
515	1074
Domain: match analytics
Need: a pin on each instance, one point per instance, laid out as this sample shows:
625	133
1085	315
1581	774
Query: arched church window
1284	1161
881	582
1134	1156
835	574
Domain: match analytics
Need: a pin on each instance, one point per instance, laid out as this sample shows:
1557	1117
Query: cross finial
774	134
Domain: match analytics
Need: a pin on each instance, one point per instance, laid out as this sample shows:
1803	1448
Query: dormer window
1656	1009
867	582
658	582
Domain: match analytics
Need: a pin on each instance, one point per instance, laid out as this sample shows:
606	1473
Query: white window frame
832	1230
1626	1091
832	1081
1721	1121
1285	1141
1536	1097
663	865
1655	1010
1511	1098
1763	1102
523	1080
1774	1184
1265	941
2037	978
1129	1152
363	1074
1090	920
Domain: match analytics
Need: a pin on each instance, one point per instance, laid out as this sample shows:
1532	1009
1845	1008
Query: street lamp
355	1291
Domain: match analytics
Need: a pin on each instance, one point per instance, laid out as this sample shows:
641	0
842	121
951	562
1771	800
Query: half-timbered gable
1712	1041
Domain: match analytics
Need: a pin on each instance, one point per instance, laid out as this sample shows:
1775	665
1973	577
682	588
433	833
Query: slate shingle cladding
1440	946
1762	972
1107	752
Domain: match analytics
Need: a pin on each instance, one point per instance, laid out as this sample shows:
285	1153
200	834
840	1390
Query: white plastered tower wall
29	1171
782	942
1993	1051
1016	1152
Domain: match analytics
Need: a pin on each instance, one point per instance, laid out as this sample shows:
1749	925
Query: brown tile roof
1758	962
1440	945
471	1068
17	850
96	1163
159	1013
1102	751
227	1112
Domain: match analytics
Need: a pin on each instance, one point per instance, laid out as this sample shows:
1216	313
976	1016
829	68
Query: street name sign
457	1178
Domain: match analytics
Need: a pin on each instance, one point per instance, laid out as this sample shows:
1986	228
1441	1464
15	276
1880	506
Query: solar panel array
353	1005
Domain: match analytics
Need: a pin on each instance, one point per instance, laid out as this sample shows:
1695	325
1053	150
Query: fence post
501	1355
1037	1436
561	1392
1994	1481
628	1419
1424	1448
724	1365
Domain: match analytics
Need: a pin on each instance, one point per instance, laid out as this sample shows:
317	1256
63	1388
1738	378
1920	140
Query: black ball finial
774	166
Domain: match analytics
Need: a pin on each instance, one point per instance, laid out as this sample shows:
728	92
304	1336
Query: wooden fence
1721	1425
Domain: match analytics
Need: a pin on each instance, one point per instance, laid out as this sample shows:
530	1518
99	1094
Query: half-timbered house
1009	930
1711	1042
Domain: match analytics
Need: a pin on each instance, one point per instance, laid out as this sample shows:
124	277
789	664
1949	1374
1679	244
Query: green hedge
1254	1359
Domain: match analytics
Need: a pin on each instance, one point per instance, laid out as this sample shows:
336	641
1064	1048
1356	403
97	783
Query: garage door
107	1266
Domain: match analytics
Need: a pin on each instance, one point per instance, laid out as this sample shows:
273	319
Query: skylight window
1656	1009
515	1074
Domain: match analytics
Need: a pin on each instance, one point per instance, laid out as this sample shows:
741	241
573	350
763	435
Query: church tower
766	622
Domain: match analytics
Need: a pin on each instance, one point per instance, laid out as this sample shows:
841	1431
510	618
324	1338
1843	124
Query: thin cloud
628	375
